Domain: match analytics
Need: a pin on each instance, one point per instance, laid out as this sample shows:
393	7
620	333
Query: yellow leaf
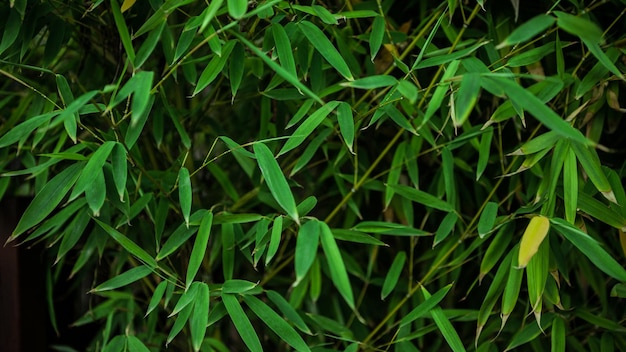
533	236
127	5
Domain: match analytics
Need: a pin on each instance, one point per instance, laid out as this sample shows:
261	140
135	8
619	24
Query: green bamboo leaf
531	56
496	249
540	111
494	292
148	46
597	73
538	144
280	70
346	124
47	199
25	128
96	193
237	8
530	332
275	238
338	273
445	228
393	274
393	177
483	152
487	219
321	43
184	193
135	345
449	58
356	236
389	228
376	36
466	97
122	29
11	30
590	162
325	15
308	126
236	68
238	286
579	26
94	165
371	82
536	276
527	31
123	279
444	325
214	67
557	335
570	186
199	248
228	250
120	169
447	163
275	180
511	288
180	322
186	299
408	90
73	233
181	235
156	297
422	197
426	306
288	311
199	318
437	98
128	245
136	128
283	49
306	248
242	323
591	249
276	323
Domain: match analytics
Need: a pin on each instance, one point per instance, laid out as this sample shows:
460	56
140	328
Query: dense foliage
360	175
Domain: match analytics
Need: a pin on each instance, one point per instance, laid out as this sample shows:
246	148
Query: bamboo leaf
276	323
527	31
511	288
579	26
120	169
536	276
590	162
483	152
129	245
25	128
288	311
308	126
283	49
426	306
346	124
445	228
124	279
94	166
376	36
276	180
444	325
532	238
321	43
338	272
237	8
156	297
570	186
306	248
466	97
238	286
591	249
557	335
180	322
199	316
393	274
371	82
437	98
122	29
422	197
199	248
184	193
275	238
96	194
214	67
134	344
73	233
487	219
241	322
47	199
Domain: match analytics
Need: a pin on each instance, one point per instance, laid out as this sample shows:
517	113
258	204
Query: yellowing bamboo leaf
535	232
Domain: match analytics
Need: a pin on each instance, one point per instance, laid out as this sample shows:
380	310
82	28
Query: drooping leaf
321	43
184	193
338	272
199	248
124	279
241	322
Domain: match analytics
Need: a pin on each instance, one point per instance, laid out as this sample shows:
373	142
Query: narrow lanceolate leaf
494	292
346	124
426	306
321	43
156	296
466	97
199	248
422	197
557	335
283	49
96	194
336	265
135	344
94	165
393	275
372	82
540	111
237	8
180	322
122	29
487	218
141	85
120	169
579	26
535	232
214	67
483	152
124	279
536	276
308	126
276	181
199	316
47	199
590	162
444	325
276	323
570	186
23	129
511	288
306	248
129	245
184	193
241	322
441	90
527	31
275	238
591	249
376	36
288	311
